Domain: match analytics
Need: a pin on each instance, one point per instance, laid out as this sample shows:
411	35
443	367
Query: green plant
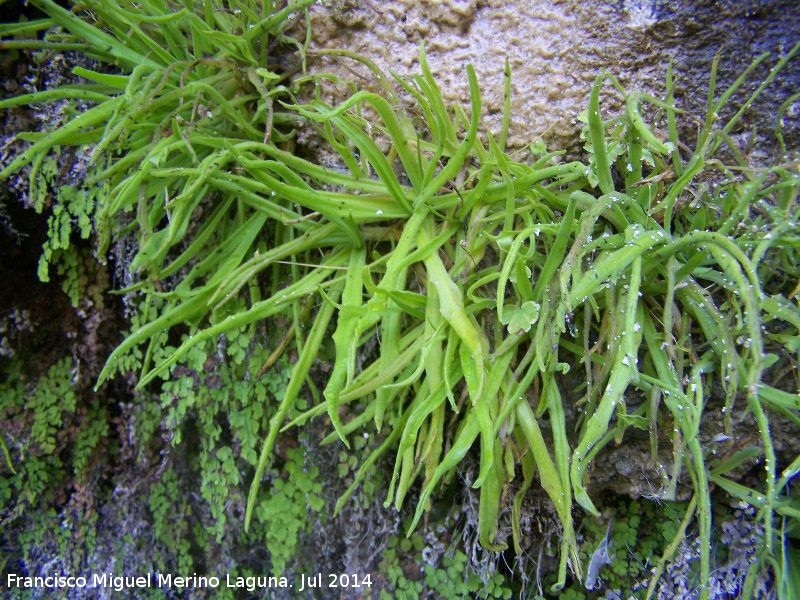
51	397
635	259
640	531
170	509
285	514
657	265
448	577
71	206
53	442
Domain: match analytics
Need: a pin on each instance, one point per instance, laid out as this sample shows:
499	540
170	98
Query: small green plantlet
520	319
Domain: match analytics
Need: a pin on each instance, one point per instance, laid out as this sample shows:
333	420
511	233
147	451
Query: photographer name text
160	580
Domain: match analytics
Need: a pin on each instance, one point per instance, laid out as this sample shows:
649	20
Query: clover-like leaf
520	318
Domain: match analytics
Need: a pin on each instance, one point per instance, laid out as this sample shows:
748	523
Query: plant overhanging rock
659	267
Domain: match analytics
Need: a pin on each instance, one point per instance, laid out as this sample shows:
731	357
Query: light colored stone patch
555	50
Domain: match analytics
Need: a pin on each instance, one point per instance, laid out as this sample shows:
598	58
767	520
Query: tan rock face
556	49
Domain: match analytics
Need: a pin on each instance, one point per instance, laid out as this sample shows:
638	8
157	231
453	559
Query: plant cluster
658	268
411	574
53	441
286	512
639	533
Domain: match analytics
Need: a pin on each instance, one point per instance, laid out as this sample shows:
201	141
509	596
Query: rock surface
557	48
